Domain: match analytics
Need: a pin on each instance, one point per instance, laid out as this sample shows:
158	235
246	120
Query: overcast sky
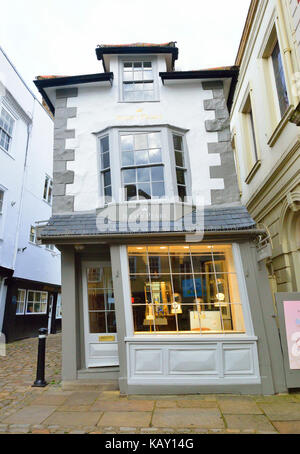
60	36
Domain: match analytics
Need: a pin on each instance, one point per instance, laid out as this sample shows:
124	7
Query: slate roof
84	224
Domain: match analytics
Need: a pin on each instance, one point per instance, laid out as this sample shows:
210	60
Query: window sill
253	171
138	338
280	127
138	102
35	313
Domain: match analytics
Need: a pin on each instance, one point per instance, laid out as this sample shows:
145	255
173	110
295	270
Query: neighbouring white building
29	271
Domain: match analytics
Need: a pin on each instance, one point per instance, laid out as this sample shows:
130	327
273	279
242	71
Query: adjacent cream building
265	135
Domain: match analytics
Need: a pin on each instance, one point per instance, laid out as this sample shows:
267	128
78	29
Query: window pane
157	173
141	157
154	140
143	174
111	322
104	144
105	160
280	79
144	191
158	189
96	299
177	140
106	178
180	263
127	143
127	158
140	141
180	176
129	176
129	96
130	191
128	76
179	159
147	64
97	322
155	156
148	95
182	192
148	75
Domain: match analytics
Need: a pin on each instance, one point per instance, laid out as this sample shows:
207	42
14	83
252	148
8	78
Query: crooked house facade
156	304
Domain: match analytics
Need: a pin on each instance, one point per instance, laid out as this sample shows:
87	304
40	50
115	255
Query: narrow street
24	409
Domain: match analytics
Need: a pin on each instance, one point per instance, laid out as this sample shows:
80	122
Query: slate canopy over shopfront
160	309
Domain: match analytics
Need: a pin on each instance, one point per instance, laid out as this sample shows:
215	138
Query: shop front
169	318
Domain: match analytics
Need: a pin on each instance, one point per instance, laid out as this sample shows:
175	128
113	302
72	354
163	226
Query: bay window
184	290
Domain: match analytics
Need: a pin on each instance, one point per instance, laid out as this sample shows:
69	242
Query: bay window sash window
105	176
180	166
143	175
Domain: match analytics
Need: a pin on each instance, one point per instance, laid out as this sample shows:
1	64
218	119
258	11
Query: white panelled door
101	346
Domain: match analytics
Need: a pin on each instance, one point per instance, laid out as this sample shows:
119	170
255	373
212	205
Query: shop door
288	310
101	346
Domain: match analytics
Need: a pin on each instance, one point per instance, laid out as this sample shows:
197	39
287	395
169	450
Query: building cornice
246	31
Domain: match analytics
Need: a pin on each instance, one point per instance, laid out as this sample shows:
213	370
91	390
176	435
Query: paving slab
246	422
32	414
287	427
123	405
73	418
49	399
205	418
166	404
239	406
282	411
81	398
123	418
196	404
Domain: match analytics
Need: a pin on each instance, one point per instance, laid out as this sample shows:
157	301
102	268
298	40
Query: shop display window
184	289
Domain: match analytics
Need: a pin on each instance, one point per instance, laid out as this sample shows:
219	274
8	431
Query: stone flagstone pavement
24	409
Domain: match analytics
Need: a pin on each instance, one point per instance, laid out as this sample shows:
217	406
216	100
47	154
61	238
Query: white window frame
48	185
50	247
35	302
138	59
22	302
58	313
11	135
